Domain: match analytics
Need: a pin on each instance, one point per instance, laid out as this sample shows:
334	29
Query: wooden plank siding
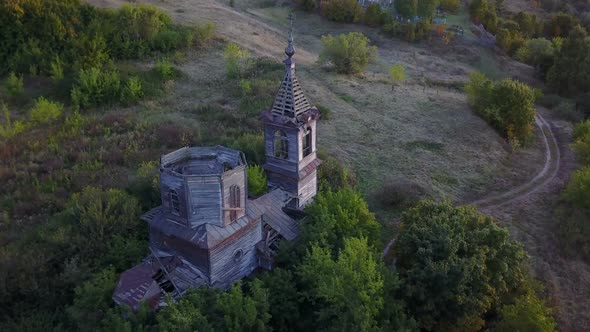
225	268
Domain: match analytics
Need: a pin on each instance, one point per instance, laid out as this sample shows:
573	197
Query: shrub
253	147
577	192
397	73
165	69
325	112
57	70
348	11
204	33
256	181
235	58
307	5
349	53
528	313
95	87
507	105
14	85
463	250
451	6
581	144
9	129
146	185
399	193
373	15
45	111
333	175
133	90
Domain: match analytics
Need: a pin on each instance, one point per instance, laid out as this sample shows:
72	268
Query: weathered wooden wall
236	176
180	247
224	268
308	187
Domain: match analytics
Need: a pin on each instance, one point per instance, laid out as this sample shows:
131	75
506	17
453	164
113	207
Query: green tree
283	299
451	6
582	142
577	192
515	104
256	181
561	25
374	15
100	214
350	53
307	5
427	8
92	300
397	73
529	313
350	287
407	8
570	74
456	265
347	11
335	216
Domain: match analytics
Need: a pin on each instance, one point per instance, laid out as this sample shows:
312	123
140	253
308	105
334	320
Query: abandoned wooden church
207	232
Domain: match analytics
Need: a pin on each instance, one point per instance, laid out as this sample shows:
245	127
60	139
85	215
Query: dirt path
547	173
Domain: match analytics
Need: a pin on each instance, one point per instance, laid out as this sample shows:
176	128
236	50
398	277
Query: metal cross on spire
290	50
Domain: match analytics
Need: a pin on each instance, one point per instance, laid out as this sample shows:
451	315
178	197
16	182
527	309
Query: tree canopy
455	265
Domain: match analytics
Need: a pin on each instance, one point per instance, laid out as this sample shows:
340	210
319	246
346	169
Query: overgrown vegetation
349	53
507	105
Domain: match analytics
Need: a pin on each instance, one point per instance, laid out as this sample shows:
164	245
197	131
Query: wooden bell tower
290	137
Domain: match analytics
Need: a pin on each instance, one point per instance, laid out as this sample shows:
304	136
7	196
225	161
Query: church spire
290	101
290	50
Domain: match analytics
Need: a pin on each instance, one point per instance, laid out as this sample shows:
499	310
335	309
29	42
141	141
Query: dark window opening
307	141
164	283
234	202
174	202
281	145
238	255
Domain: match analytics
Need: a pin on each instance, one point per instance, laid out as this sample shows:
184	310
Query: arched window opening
174	202
234	202
281	145
307	149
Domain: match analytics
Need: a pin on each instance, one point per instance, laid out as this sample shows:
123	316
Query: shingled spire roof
290	100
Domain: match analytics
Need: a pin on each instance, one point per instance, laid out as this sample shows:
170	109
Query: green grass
425	145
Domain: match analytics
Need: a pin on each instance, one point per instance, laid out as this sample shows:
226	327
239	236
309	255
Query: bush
14	85
256	181
252	145
57	70
400	194
95	87
9	129
528	313
347	11
307	5
333	175
325	112
397	73
349	53
478	263
577	192
204	33
581	144
133	90
165	69
451	6
374	15
235	59
507	105
45	111
574	228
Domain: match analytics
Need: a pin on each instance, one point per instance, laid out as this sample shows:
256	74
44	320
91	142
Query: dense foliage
456	266
349	53
348	11
507	105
